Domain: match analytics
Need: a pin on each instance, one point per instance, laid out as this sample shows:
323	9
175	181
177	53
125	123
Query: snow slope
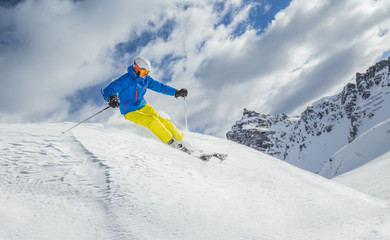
370	145
372	178
120	182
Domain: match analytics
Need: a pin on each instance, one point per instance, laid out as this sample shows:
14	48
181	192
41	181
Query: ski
208	156
220	156
202	155
195	152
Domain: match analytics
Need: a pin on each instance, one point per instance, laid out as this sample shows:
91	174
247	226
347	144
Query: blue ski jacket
131	90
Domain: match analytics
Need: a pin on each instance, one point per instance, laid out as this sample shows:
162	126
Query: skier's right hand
113	101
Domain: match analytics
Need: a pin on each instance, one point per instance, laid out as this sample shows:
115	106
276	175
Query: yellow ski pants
148	117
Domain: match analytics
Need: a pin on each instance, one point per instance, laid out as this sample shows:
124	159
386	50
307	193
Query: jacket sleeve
161	88
114	88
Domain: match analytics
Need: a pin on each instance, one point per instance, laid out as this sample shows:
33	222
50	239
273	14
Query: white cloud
61	47
50	49
311	49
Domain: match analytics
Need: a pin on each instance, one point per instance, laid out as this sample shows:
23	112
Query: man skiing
127	93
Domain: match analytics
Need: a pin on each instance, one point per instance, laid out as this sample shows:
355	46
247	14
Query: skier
127	93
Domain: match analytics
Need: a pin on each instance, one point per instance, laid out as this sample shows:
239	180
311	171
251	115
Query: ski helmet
142	65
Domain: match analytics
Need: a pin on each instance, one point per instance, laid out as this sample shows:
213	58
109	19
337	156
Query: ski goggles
141	70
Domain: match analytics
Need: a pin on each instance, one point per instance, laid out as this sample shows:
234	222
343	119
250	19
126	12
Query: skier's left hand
181	93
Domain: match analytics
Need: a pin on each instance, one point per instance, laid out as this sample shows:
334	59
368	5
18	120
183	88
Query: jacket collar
132	74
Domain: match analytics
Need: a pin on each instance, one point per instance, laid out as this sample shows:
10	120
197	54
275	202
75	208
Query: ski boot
175	144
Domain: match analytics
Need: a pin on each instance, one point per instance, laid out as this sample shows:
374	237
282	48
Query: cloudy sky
268	56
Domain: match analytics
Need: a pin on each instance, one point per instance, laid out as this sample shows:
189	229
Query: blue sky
267	56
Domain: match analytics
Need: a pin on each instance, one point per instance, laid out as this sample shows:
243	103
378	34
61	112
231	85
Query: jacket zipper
136	93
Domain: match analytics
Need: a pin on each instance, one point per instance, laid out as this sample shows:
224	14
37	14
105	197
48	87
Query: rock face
309	140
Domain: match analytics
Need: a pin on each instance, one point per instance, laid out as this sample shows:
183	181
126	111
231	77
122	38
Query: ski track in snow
49	170
108	183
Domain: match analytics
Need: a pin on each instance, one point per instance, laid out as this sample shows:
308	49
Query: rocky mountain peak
372	76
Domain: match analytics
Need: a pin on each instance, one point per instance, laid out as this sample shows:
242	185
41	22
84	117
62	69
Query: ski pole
85	120
185	112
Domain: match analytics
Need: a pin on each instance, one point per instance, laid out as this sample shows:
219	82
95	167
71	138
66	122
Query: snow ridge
370	145
309	140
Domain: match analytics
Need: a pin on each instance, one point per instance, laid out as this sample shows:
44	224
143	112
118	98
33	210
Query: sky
267	56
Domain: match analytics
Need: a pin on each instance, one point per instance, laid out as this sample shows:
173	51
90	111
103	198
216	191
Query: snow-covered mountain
309	140
118	181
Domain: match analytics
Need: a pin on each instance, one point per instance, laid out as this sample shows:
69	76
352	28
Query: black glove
113	101
181	93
